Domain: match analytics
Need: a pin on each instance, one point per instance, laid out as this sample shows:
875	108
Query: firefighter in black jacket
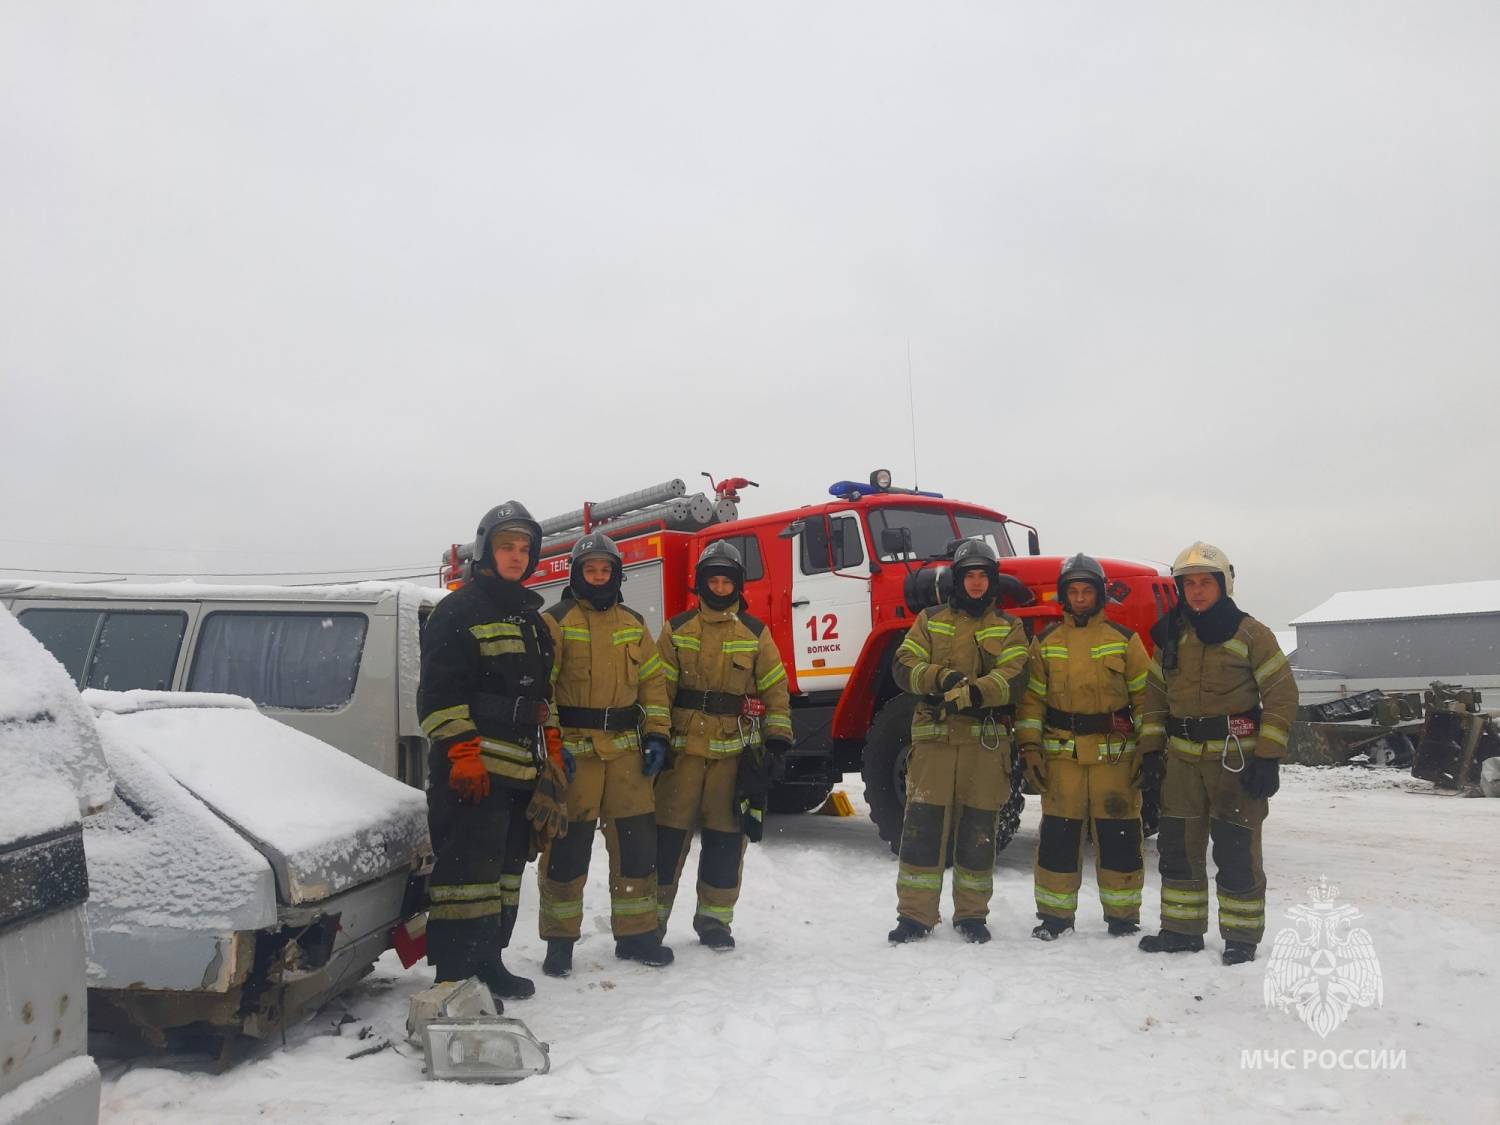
486	670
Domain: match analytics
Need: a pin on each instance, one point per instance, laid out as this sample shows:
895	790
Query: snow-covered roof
204	591
1456	599
139	699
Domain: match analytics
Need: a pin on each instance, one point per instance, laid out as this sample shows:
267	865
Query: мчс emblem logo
1324	966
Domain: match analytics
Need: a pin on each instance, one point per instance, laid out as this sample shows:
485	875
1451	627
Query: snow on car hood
160	860
325	821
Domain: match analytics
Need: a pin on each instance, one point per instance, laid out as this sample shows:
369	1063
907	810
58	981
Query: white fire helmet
1205	558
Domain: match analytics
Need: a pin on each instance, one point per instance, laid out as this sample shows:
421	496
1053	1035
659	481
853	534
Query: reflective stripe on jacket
606	660
989	651
712	650
1091	669
1247	671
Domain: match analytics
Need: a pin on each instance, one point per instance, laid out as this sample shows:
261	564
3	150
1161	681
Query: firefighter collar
714	615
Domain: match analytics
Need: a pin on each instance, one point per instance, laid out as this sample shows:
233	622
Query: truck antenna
911	413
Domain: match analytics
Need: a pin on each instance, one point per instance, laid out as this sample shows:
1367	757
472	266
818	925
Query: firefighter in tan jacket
731	730
1230	700
1077	725
611	710
966	663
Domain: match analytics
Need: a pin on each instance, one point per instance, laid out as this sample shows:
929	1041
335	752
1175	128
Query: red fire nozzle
729	487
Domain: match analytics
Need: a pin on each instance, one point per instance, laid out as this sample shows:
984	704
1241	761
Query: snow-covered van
54	774
337	662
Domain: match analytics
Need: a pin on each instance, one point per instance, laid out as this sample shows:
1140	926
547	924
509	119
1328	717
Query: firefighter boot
906	930
559	959
645	948
1170	941
1238	952
1121	927
504	983
1051	929
974	930
715	935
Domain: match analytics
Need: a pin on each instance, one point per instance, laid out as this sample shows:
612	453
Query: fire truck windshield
932	530
991	531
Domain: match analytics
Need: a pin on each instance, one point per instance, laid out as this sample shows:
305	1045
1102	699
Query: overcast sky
301	285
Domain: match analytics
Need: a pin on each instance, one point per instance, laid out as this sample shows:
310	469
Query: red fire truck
838	583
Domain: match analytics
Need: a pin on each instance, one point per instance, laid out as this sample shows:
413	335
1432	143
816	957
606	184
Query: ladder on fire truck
661	507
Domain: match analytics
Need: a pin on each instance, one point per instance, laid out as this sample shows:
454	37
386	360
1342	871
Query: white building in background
1287	639
1401	640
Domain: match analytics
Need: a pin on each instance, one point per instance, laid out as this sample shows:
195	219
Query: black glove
656	752
1034	766
751	785
1262	777
776	751
948	679
1149	771
971	696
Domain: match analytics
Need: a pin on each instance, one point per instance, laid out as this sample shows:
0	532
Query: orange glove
467	776
561	757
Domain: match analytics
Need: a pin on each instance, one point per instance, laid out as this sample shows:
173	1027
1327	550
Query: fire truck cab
839	583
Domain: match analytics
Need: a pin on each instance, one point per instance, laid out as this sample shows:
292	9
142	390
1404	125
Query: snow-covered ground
814	1018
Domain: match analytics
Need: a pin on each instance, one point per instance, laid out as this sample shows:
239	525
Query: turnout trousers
1101	795
615	793
1203	803
699	794
474	892
954	792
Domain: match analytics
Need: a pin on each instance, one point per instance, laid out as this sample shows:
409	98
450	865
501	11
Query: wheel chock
838	804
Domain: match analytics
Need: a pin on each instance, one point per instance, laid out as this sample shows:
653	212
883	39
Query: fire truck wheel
1150	810
789	799
886	748
1010	812
886	751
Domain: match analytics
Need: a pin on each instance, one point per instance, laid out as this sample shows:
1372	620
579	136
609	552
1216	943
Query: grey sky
306	285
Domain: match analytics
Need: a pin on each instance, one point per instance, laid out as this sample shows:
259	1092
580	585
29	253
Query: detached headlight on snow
451	1000
483	1049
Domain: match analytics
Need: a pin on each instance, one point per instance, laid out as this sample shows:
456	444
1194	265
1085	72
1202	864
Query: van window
295	661
67	634
115	650
815	539
136	650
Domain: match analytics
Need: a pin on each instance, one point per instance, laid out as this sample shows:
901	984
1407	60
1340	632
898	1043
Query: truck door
830	600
